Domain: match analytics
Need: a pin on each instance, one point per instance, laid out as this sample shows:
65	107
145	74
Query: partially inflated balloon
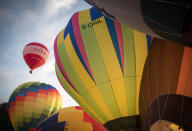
35	55
30	103
70	119
166	86
167	19
99	62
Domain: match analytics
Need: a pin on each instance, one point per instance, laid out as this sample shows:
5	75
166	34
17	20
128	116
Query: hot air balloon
71	119
99	62
35	55
171	20
32	102
166	86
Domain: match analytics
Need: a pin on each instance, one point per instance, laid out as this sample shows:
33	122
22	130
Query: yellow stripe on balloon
84	17
60	37
141	54
51	98
78	126
84	103
69	108
85	78
28	111
112	65
66	115
140	51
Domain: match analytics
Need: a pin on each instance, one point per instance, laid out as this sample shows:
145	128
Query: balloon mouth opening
30	71
124	124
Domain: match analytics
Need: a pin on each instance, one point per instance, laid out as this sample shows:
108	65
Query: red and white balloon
35	55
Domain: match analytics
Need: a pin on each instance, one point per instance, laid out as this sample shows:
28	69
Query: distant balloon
70	119
35	55
166	86
30	103
100	62
167	19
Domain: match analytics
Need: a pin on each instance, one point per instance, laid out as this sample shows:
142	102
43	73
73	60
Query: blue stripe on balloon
51	120
95	13
34	122
148	42
61	125
21	94
112	31
33	89
44	87
50	87
69	29
12	99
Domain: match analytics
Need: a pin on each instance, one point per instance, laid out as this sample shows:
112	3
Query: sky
25	21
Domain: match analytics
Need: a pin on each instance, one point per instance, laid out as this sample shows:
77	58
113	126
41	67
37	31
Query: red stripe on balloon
78	108
20	98
120	41
60	65
42	91
34	61
33	94
96	126
78	38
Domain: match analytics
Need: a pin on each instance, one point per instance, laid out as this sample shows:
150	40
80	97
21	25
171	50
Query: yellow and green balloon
99	62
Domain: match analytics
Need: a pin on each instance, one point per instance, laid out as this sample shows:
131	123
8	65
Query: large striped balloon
30	103
99	62
35	55
70	119
166	86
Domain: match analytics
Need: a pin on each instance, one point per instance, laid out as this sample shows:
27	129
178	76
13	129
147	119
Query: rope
171	69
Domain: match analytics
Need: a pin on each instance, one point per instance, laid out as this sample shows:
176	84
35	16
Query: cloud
31	24
54	5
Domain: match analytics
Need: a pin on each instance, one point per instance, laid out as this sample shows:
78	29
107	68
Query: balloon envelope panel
99	62
30	103
171	20
166	92
71	119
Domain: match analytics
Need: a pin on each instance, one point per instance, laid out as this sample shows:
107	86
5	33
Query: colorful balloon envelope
35	55
70	119
171	20
32	102
166	86
99	62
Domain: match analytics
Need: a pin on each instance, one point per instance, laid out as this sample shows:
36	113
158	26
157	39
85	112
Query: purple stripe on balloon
78	38
120	41
60	65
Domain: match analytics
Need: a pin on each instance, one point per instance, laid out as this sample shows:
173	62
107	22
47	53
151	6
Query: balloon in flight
32	102
99	62
35	55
